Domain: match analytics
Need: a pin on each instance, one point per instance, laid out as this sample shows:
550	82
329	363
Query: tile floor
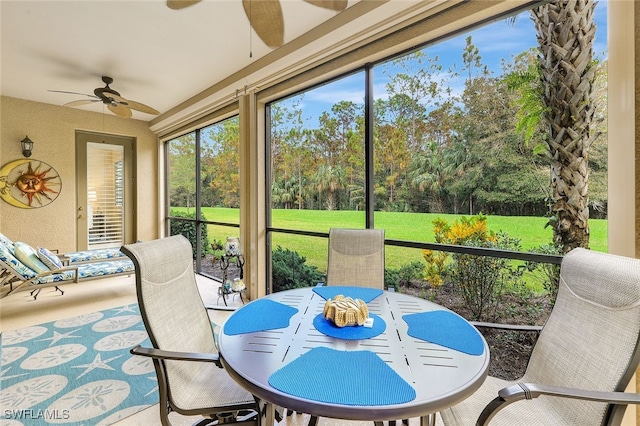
20	310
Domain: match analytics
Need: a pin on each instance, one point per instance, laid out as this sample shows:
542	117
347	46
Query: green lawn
398	226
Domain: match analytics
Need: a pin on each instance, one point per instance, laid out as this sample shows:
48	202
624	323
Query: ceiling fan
265	16
115	103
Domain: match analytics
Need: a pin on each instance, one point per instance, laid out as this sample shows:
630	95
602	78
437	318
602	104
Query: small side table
225	288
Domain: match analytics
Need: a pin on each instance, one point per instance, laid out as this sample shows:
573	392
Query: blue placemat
327	327
259	315
365	294
342	377
446	329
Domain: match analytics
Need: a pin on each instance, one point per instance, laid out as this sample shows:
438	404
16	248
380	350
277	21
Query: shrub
480	279
435	267
391	278
217	250
289	270
547	273
411	273
188	229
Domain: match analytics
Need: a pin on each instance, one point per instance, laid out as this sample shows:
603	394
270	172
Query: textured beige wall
52	128
636	15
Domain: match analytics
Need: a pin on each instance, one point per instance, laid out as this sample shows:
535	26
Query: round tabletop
273	349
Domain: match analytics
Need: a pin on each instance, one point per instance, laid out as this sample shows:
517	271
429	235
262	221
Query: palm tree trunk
566	30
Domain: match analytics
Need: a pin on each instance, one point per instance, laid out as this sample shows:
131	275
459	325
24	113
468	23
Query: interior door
105	188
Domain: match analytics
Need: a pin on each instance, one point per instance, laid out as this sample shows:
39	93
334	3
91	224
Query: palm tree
329	179
565	31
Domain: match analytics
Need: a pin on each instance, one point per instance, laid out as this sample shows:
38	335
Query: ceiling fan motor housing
103	92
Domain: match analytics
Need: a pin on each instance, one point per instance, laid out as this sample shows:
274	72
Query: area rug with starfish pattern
76	371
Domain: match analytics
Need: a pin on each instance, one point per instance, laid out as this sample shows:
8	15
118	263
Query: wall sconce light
27	146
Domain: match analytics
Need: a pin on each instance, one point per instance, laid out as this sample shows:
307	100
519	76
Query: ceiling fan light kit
115	103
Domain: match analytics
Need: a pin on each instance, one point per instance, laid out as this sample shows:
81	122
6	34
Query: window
203	190
443	141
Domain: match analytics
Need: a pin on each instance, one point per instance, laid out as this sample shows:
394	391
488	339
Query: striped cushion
91	270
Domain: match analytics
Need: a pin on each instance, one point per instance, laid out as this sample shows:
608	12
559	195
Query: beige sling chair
583	359
356	257
191	380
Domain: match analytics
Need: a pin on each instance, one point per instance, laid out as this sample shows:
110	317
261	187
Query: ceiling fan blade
142	107
180	4
120	110
73	93
81	102
337	5
265	17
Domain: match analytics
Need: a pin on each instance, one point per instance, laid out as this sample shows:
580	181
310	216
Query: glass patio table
416	359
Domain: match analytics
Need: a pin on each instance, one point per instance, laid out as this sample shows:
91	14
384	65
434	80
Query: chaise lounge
24	269
73	257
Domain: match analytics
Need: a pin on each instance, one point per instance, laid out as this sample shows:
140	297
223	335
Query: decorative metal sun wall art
29	184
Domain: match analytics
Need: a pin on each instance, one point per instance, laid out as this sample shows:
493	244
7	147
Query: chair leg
35	293
428	420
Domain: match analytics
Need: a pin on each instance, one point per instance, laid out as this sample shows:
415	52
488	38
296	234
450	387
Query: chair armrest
514	327
177	356
61	270
521	391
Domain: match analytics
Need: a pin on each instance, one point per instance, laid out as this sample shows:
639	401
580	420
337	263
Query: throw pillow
18	267
29	256
51	260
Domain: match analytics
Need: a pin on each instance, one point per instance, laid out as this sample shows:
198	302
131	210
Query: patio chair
191	380
583	359
356	257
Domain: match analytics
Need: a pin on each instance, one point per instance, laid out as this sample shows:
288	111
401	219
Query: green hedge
289	270
188	229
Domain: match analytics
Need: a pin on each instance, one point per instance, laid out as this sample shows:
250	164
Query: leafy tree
402	124
182	178
221	160
429	171
393	156
291	155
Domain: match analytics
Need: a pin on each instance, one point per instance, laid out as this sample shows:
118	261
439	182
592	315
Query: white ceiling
157	56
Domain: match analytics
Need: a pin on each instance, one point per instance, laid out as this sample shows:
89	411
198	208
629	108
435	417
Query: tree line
434	150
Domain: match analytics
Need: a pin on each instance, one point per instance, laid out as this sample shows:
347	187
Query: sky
495	41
